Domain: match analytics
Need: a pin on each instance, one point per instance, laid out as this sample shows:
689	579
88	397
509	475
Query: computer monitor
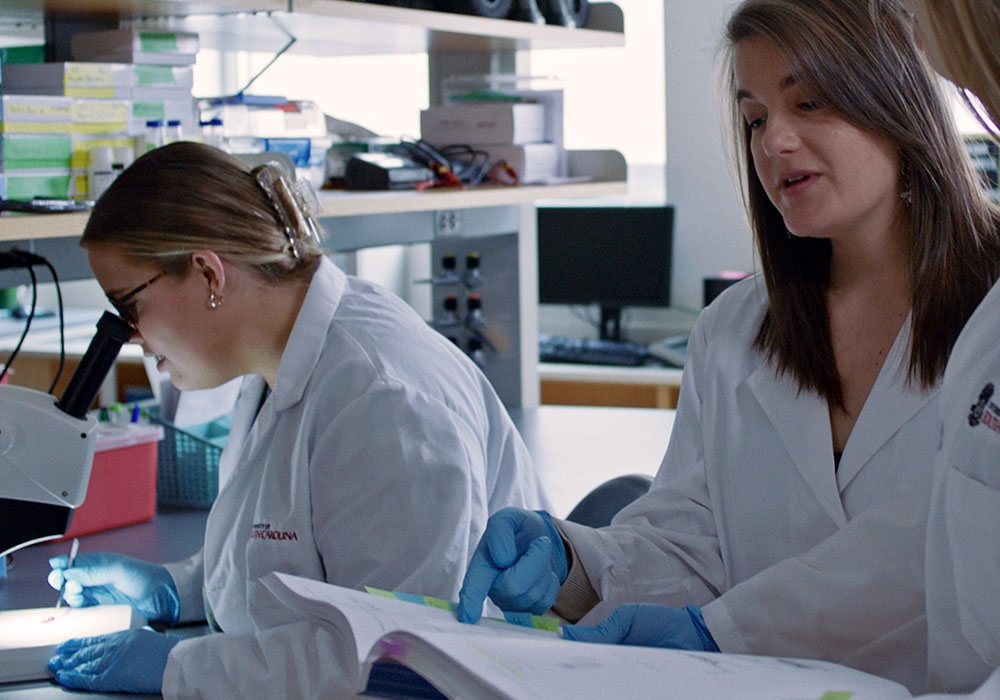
615	256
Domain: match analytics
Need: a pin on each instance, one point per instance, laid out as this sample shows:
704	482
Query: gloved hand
130	661
103	579
520	562
645	625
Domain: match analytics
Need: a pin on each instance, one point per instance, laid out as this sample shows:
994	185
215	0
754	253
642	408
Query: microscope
47	445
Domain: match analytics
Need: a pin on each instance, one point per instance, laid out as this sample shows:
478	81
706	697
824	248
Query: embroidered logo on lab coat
263	531
985	411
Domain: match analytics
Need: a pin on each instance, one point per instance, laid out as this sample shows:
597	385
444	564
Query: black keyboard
554	348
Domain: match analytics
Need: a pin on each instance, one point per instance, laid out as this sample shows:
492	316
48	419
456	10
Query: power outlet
449	222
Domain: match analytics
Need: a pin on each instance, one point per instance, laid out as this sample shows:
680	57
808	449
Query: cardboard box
122	489
483	123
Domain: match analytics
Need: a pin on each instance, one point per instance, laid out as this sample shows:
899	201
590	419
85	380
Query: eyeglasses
125	304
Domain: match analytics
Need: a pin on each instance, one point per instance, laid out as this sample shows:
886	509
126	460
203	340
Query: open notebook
496	660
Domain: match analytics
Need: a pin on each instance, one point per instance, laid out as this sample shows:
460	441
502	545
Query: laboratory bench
606	385
575	449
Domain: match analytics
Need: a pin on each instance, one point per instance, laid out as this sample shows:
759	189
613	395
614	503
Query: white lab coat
963	536
376	460
748	517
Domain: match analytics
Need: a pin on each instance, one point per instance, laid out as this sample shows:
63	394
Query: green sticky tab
837	695
380	592
433	602
538	622
549	624
154	41
154	75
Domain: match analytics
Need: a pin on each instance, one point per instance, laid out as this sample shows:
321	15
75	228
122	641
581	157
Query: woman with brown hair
788	514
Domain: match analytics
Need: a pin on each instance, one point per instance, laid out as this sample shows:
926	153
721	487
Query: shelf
338	204
334	27
605	168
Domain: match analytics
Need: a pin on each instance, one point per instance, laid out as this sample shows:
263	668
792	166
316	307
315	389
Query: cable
27	325
27	260
62	328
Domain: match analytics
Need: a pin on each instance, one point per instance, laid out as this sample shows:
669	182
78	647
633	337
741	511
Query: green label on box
47	147
148	110
151	42
155	75
22	54
55	186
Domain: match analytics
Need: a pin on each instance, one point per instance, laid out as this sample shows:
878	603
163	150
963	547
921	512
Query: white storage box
534	162
483	123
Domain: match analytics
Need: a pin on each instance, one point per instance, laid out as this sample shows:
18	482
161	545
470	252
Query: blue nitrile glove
645	625
130	661
103	578
520	562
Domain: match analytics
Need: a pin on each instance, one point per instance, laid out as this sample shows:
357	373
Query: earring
214	301
906	194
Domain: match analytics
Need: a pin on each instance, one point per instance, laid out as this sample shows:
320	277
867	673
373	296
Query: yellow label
34	128
99	128
103	92
56	112
97	111
87	74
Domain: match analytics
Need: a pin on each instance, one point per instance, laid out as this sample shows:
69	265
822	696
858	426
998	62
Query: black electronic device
614	257
591	351
384	171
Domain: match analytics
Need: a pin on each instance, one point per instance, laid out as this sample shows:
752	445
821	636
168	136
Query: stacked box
523	130
135	46
35	146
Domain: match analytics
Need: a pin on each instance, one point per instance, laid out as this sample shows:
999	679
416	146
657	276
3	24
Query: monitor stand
611	323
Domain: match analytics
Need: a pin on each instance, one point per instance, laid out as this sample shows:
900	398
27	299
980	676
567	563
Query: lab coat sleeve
189	578
832	604
404	475
664	547
295	660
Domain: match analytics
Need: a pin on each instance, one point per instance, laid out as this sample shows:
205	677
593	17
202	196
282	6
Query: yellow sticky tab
837	695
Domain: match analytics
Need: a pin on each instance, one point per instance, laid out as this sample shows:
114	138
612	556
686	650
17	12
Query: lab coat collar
893	401
309	334
802	419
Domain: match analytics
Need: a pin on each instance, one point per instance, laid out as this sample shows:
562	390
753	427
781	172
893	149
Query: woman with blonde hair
963	535
366	449
788	515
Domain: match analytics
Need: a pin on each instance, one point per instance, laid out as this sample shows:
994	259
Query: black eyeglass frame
121	303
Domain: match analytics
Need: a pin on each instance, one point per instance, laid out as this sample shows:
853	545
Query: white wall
710	233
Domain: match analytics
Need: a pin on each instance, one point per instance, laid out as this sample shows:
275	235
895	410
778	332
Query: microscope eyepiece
112	333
